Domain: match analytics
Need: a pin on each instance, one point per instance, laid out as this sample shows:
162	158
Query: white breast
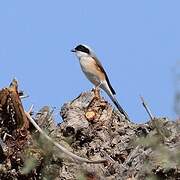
86	62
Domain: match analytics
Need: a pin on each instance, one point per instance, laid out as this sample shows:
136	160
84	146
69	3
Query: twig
30	109
21	93
51	114
6	135
155	121
64	150
24	96
132	155
147	108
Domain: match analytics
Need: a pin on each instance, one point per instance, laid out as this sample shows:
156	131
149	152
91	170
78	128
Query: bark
91	128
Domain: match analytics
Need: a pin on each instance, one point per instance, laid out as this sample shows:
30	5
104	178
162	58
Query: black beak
73	50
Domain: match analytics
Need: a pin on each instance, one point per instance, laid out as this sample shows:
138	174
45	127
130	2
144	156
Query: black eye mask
82	48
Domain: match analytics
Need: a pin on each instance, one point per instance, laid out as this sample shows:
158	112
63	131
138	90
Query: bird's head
82	51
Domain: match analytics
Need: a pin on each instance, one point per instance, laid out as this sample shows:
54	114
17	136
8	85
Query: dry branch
147	108
92	129
64	150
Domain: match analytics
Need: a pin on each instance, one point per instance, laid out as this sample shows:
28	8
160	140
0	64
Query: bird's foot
96	93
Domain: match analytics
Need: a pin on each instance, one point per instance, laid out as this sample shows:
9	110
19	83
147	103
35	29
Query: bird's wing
102	69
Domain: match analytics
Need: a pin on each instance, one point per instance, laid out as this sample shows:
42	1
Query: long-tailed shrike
95	72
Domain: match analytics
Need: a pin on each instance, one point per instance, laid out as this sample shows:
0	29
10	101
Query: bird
95	73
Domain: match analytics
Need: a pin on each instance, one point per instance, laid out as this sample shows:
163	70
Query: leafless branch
64	150
147	108
24	96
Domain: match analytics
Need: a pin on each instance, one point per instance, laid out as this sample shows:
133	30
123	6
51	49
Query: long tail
121	110
106	88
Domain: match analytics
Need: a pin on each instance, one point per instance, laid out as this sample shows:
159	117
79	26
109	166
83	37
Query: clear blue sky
138	43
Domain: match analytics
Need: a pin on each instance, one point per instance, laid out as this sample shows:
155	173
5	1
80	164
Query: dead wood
12	111
91	129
